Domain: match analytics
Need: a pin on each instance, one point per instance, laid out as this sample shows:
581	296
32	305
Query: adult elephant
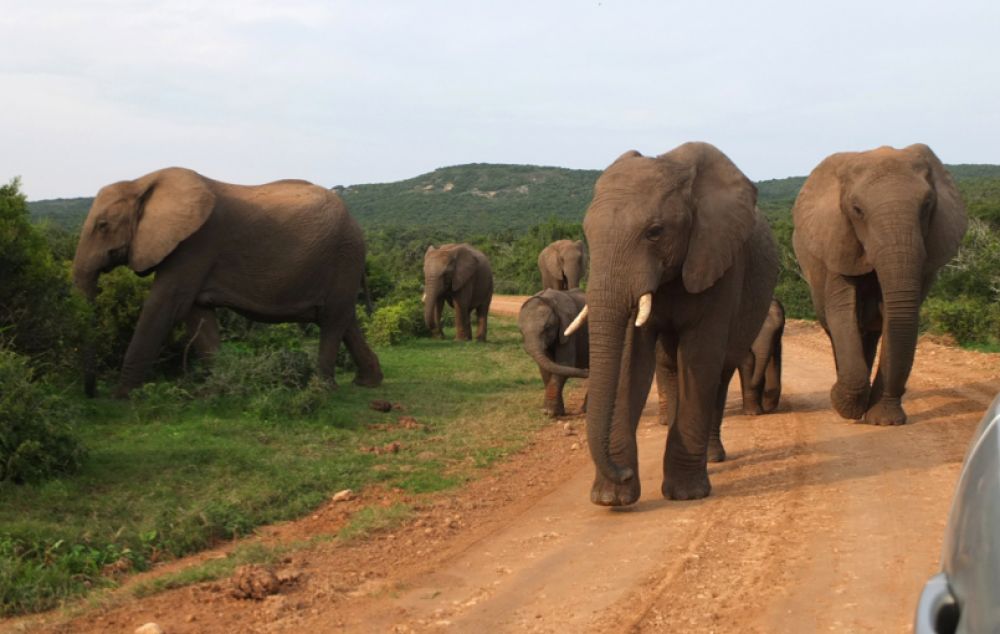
760	371
683	264
543	320
562	264
460	275
288	251
871	231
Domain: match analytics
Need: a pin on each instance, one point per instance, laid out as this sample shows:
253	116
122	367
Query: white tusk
423	298
645	307
573	327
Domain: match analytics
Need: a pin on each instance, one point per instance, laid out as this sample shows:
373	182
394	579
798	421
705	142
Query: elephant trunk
571	270
432	292
900	278
607	322
86	281
535	349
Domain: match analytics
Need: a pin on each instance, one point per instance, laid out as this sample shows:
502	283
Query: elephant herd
681	266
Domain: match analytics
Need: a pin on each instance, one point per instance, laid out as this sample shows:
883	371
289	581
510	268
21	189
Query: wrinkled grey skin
543	320
288	251
562	264
460	275
760	371
871	231
684	227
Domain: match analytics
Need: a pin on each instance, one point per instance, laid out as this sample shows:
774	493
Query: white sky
93	91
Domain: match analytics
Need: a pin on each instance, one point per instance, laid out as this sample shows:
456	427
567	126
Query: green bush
245	373
393	323
970	320
40	316
36	435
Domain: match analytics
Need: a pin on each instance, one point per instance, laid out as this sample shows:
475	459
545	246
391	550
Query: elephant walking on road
683	268
543	321
288	251
871	231
460	275
562	264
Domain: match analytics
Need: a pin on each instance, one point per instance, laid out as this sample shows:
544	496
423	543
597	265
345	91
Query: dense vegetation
91	488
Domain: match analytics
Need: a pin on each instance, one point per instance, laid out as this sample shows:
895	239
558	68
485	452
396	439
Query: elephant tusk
573	327
645	307
423	298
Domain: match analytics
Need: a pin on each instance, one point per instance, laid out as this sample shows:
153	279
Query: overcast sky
93	91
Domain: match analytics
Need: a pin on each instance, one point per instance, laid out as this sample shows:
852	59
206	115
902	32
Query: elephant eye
858	211
102	225
654	232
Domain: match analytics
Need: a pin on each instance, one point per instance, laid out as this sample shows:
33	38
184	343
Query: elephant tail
368	295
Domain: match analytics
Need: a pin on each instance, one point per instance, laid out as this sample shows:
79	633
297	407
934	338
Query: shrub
394	323
245	373
970	320
36	435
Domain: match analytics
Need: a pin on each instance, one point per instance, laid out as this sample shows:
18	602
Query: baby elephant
760	372
543	321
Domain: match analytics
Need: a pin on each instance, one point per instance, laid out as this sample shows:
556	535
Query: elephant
460	275
760	371
682	270
562	264
543	320
287	251
871	230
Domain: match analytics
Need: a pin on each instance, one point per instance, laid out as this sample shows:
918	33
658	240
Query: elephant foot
368	379
554	409
481	339
692	487
885	412
716	452
667	417
769	405
850	404
437	335
605	493
752	409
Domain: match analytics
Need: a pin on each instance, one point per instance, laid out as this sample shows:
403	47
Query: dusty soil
814	524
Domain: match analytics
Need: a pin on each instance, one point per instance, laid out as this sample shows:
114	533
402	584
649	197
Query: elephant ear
465	267
172	204
724	202
948	220
821	228
565	310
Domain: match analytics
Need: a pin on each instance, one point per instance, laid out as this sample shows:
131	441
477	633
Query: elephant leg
462	328
481	315
850	393
161	310
634	383
437	332
666	378
772	377
751	392
685	461
331	334
554	405
369	372
203	331
716	452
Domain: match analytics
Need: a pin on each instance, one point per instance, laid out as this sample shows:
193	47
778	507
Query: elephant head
446	270
894	212
562	264
138	223
543	320
682	215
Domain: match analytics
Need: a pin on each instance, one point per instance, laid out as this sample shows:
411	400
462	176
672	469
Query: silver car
965	596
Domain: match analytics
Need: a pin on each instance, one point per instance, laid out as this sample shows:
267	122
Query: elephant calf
460	275
543	321
287	251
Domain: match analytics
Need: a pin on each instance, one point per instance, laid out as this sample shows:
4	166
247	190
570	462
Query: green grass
169	476
374	519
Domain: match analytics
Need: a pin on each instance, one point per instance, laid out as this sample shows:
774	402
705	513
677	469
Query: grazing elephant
460	275
871	230
682	269
760	371
543	321
288	251
562	264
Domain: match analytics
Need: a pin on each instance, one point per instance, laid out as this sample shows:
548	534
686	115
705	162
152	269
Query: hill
482	198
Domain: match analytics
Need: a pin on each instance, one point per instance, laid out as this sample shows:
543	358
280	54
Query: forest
66	463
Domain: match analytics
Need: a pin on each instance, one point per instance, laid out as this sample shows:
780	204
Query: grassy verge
169	474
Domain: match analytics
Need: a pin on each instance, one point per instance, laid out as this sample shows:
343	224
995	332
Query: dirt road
814	524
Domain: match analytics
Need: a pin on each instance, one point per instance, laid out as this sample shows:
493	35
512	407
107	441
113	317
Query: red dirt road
814	524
